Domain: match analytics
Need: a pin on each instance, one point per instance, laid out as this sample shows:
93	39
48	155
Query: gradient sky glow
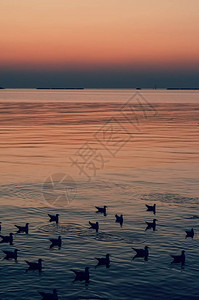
96	35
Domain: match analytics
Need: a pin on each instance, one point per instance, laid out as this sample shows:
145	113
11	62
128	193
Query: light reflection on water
158	165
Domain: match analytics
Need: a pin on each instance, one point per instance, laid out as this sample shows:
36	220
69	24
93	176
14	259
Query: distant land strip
60	88
181	88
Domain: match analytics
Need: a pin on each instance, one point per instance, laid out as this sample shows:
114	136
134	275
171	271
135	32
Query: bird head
105	206
146	247
154	220
107	255
183	251
57	215
40	260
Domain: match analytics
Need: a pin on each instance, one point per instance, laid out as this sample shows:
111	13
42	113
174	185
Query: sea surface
67	151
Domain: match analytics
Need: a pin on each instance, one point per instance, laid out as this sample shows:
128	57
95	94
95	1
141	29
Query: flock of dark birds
84	275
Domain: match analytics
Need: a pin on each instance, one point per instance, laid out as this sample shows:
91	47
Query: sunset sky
99	43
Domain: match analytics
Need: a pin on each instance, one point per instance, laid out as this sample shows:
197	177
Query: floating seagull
151	208
54	218
34	265
179	258
82	275
48	296
56	242
11	254
22	228
104	261
7	239
142	252
101	209
151	225
190	233
119	219
94	226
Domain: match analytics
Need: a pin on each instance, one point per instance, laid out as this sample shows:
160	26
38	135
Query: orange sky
89	33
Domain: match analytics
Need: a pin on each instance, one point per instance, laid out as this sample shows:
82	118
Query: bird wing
97	258
136	250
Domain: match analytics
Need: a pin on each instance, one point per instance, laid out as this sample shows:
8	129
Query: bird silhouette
56	242
119	219
101	209
82	275
190	233
11	254
94	226
23	228
49	296
142	252
35	265
151	208
7	239
103	261
179	258
151	225
54	218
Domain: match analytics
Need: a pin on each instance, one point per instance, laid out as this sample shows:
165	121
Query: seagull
190	233
34	265
56	242
82	275
23	228
179	258
104	260
151	208
101	209
94	226
119	219
11	254
7	239
151	225
49	296
141	252
54	218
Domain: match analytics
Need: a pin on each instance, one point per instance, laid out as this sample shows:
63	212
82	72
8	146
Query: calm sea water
67	151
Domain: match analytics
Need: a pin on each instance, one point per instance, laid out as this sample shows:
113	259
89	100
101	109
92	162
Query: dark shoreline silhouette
60	88
183	88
